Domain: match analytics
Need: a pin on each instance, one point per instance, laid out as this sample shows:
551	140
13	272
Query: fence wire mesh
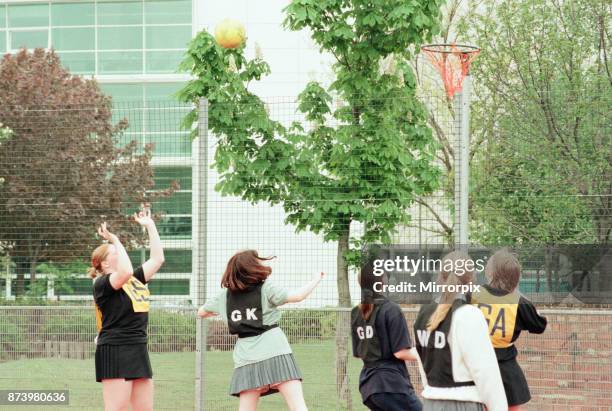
63	170
45	347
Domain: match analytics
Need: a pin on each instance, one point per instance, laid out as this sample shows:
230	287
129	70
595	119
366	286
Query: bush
218	337
71	325
172	331
13	338
308	325
24	331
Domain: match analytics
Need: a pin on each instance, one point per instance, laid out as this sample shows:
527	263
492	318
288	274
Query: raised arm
124	266
300	295
156	259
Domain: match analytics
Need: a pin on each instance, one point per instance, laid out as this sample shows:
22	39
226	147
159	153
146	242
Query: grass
175	383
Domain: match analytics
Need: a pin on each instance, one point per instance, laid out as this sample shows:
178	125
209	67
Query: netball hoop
452	62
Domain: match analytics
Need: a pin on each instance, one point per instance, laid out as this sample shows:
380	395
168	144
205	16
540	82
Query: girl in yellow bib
508	313
121	298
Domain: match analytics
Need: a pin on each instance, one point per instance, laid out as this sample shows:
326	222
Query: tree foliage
543	93
63	168
365	151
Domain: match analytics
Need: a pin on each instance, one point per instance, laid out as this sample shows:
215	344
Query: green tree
543	93
362	160
63	168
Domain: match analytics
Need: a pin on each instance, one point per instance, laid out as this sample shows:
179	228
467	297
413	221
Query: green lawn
174	380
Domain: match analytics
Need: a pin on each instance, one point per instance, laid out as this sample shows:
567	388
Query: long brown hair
503	270
366	281
98	255
244	270
449	277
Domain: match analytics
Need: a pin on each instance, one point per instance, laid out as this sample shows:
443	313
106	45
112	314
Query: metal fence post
199	199
462	162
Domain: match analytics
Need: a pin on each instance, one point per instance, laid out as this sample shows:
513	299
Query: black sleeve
354	312
102	289
528	317
397	330
139	274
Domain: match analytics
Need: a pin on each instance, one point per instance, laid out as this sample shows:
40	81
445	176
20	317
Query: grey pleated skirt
265	375
448	405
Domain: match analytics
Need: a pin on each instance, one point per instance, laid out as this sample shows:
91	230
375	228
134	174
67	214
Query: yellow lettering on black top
500	313
138	293
98	318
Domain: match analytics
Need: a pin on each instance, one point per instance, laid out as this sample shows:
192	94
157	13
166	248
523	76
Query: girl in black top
381	340
121	298
508	313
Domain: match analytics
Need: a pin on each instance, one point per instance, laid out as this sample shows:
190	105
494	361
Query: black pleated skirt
515	383
122	361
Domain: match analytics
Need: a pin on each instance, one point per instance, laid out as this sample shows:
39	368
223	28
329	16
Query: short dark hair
244	270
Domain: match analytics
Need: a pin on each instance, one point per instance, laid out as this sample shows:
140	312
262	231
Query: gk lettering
250	315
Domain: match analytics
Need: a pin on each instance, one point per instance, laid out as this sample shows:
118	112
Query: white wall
234	224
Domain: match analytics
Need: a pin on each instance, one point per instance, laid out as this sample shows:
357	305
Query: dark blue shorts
393	402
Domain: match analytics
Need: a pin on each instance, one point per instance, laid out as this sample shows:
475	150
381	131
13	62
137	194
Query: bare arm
156	259
124	265
202	313
407	354
300	295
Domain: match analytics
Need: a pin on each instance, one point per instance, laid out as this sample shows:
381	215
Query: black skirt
515	383
122	361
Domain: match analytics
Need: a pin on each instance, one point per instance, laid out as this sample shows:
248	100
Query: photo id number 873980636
24	397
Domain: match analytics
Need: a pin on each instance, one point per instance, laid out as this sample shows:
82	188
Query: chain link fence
60	177
52	348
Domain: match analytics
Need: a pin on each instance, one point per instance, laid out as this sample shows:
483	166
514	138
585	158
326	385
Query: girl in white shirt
459	364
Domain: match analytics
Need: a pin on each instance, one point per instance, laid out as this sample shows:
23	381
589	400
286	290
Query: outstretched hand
105	234
318	276
202	313
143	217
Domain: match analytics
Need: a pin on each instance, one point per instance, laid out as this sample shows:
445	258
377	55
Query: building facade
133	48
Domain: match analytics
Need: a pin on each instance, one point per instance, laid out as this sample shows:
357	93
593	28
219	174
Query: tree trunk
32	270
342	282
343	324
21	268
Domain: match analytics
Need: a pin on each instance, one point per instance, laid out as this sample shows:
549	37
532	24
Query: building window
102	37
28	38
176	222
178	261
28	15
154	117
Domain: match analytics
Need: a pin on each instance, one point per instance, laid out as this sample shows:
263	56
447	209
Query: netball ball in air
230	34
